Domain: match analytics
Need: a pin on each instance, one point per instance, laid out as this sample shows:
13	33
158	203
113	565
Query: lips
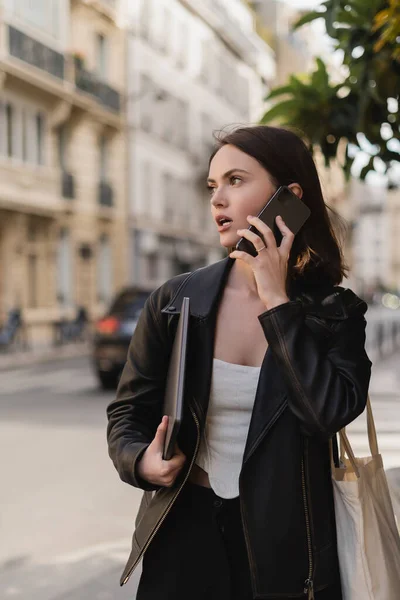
223	222
225	226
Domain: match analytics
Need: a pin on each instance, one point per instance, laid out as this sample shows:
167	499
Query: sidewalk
27	358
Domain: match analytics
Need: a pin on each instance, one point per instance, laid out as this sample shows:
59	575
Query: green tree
366	101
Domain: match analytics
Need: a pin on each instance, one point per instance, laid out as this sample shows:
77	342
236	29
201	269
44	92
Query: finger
176	462
265	231
159	438
252	237
287	235
244	256
178	451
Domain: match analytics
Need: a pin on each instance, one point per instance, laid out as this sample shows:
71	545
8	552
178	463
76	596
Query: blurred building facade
62	170
295	53
294	50
376	237
194	66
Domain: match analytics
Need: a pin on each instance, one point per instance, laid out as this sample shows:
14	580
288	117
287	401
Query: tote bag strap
345	446
372	437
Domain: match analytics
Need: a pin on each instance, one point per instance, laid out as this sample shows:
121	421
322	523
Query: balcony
67	185
30	188
55	72
105	194
240	36
35	53
89	83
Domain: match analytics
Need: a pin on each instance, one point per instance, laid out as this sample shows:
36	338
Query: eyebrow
228	173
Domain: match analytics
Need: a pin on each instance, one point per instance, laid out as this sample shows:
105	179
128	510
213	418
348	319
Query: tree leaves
368	33
307	18
388	22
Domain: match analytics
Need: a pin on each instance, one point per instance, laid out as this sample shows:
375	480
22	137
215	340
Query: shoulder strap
345	446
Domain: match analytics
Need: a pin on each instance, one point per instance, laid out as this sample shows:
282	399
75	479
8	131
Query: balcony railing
88	82
105	194
35	53
67	185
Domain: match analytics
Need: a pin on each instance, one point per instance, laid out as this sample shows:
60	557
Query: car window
129	302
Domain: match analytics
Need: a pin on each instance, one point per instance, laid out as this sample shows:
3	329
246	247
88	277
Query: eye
211	189
234	179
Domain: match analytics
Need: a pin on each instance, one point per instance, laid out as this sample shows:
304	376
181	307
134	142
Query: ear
296	189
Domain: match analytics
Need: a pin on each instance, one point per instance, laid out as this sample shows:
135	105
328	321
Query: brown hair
316	256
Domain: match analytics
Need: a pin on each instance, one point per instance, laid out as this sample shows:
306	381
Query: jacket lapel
269	402
204	287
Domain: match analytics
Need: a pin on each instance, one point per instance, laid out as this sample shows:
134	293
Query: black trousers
200	553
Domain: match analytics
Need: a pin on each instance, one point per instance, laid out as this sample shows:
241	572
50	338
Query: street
66	518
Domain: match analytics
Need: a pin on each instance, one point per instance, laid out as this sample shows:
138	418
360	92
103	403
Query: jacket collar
205	285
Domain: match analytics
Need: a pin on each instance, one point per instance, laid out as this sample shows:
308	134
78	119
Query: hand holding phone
284	203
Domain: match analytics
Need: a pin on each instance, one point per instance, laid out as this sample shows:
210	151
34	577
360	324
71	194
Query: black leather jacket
313	381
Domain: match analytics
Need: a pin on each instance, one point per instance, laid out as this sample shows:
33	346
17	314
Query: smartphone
284	203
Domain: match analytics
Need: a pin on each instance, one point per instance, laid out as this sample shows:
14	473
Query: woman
276	366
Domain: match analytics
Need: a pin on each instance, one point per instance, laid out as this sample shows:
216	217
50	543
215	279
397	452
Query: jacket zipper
251	451
172	502
308	584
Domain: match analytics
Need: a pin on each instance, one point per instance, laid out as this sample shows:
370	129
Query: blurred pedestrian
276	366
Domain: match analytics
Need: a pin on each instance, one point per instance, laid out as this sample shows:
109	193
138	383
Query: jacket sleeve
329	386
135	414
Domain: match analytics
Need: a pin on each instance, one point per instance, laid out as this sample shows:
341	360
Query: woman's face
239	186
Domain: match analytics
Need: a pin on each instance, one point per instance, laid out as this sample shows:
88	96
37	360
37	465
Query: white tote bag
367	536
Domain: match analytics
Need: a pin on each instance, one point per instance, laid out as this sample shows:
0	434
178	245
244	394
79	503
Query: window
101	56
24	133
206	60
182	121
145	19
147	188
62	146
41	14
104	270
40	139
2	128
64	269
103	158
32	281
168	198
146	86
164	29
206	133
182	43
24	119
243	94
152	267
10	126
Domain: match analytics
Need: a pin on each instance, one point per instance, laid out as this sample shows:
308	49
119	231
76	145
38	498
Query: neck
242	279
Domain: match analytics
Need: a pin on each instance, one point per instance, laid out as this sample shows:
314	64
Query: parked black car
113	333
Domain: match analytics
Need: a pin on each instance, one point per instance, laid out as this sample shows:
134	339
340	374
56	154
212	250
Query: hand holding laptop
153	468
162	460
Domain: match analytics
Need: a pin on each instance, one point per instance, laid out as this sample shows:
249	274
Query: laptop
175	385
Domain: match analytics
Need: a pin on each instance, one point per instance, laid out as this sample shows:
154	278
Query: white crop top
233	390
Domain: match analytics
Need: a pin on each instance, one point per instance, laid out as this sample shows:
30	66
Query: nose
218	199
